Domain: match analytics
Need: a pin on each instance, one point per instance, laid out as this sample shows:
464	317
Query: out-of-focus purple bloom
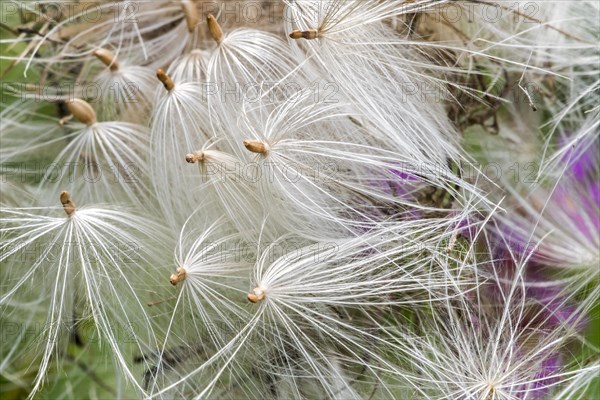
468	228
581	162
595	194
556	309
579	193
403	183
556	227
561	228
581	213
549	367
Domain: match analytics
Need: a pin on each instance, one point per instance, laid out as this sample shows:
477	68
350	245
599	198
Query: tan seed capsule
155	303
82	111
256	295
255	146
178	276
214	28
191	14
195	157
165	79
107	59
308	34
67	203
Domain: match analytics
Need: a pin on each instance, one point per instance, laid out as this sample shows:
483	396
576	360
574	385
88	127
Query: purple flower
556	309
560	225
546	377
582	163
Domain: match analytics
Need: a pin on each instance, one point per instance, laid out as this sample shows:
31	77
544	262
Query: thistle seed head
178	276
215	29
82	111
256	146
192	158
107	58
258	294
191	14
309	34
67	203
165	79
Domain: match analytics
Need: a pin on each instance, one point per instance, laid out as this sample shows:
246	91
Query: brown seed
155	303
82	111
256	295
67	203
165	79
255	146
308	34
107	59
215	29
191	14
195	157
178	276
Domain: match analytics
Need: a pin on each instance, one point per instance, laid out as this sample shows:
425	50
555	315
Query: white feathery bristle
96	254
